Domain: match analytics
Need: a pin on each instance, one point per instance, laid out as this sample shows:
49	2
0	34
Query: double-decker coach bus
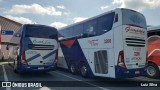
34	48
112	44
153	59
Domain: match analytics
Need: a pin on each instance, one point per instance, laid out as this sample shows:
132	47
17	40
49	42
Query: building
7	28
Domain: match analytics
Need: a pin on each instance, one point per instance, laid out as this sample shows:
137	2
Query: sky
60	13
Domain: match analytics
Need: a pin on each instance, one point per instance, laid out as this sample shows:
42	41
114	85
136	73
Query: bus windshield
133	18
40	31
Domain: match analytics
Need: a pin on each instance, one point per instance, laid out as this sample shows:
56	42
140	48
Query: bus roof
154	28
40	25
95	17
85	20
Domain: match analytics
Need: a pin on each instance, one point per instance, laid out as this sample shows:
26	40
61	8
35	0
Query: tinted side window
78	30
67	32
105	23
64	33
90	28
71	32
116	18
61	33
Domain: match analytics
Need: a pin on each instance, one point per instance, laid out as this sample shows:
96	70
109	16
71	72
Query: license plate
137	72
40	68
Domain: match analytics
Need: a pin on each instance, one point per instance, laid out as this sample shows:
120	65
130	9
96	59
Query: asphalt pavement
61	78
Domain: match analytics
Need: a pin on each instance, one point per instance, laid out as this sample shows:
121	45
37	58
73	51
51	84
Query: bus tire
15	68
84	70
152	70
15	71
72	68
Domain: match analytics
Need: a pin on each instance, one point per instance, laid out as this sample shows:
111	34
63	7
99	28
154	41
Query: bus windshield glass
133	18
41	32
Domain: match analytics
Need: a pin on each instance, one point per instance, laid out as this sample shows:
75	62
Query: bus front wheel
152	70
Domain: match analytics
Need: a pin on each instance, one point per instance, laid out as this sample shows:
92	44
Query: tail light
146	59
24	58
121	59
56	58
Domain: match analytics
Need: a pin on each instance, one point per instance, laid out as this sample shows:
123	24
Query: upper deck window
105	23
90	28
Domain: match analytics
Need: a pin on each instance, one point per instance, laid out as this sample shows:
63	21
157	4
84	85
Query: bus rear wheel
152	70
73	68
84	70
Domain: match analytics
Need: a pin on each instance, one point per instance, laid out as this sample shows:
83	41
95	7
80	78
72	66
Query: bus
33	48
153	59
112	44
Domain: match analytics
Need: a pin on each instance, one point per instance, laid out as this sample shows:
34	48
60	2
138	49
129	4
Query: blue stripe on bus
48	55
120	72
75	54
33	57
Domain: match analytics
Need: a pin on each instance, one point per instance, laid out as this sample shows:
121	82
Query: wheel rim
83	70
72	68
151	70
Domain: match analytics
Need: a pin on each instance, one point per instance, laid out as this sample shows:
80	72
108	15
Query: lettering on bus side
106	41
137	49
41	42
93	42
133	30
136	53
136	59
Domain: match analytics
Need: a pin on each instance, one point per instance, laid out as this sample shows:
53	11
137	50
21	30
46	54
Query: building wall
7	24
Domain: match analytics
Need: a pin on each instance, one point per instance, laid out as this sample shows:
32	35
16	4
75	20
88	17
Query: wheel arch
151	62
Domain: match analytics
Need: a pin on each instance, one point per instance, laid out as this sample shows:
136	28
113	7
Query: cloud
66	13
20	19
78	19
35	9
138	5
61	7
58	24
104	7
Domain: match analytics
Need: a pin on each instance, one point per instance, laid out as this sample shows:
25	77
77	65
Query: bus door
102	62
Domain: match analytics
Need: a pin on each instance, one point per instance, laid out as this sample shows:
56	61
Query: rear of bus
132	57
38	48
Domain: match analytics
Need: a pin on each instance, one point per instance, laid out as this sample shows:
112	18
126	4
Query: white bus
34	48
112	44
